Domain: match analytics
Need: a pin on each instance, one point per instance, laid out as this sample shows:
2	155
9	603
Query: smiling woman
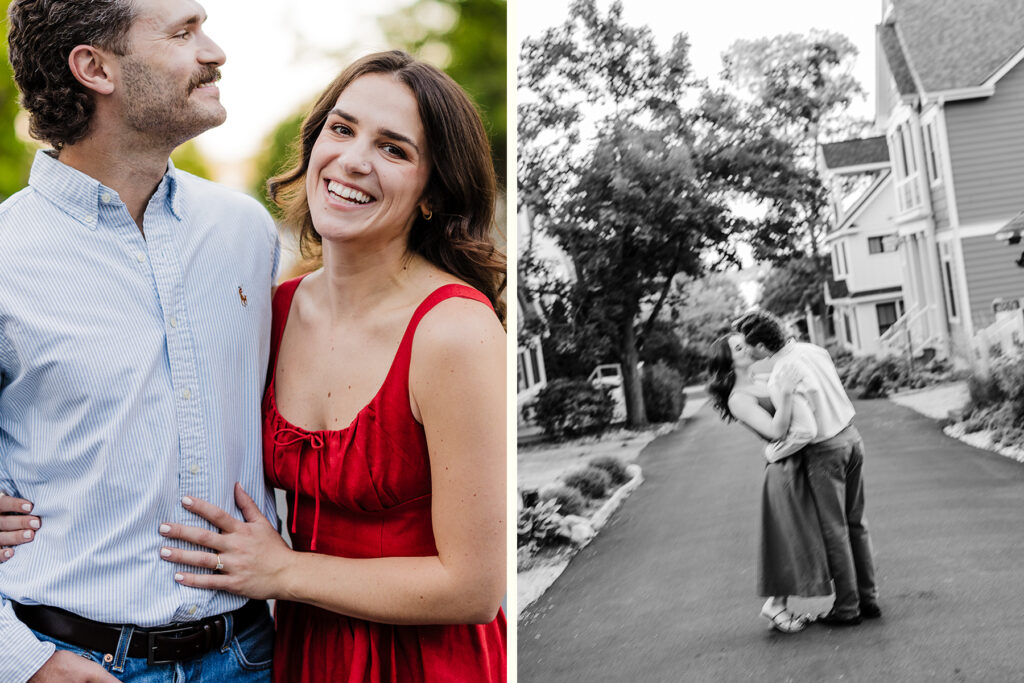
384	415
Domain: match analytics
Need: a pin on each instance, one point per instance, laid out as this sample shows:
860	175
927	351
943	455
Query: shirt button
174	321
194	469
192	610
140	257
90	219
186	394
105	198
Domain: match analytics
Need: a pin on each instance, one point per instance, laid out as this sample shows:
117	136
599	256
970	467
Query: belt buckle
151	645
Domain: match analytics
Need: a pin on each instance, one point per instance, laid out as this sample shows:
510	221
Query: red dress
362	492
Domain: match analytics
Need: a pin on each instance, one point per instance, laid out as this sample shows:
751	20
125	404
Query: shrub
663	393
615	468
541	526
662	344
571	407
591	482
984	391
883	376
569	500
1009	375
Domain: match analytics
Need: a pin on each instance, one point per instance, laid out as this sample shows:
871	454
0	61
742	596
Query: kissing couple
814	538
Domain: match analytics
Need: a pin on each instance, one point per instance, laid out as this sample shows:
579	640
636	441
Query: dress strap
281	304
400	368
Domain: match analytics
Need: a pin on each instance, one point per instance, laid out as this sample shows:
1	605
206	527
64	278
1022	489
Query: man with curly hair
134	336
834	460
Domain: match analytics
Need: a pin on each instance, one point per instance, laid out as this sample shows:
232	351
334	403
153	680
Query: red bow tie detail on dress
316	442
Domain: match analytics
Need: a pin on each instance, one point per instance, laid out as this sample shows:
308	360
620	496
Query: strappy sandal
783	620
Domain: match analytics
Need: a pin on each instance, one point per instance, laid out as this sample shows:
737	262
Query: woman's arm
802	431
746	409
457	384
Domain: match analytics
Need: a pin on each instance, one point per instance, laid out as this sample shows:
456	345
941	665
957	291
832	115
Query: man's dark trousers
834	469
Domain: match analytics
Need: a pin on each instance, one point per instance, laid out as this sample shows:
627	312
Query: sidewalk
666	591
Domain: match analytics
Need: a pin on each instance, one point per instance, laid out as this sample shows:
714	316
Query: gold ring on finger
220	564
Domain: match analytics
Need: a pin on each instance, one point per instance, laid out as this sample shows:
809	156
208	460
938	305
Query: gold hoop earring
428	214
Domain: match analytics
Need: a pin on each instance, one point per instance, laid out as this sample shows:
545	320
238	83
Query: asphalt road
666	591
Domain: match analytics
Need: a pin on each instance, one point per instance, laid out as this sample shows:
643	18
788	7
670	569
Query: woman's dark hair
40	38
722	375
761	327
461	188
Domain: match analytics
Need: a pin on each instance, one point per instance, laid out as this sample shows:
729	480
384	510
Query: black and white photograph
770	341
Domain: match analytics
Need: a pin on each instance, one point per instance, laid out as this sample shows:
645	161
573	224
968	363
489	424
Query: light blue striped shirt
131	373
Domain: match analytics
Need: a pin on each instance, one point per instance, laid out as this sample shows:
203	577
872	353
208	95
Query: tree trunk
636	415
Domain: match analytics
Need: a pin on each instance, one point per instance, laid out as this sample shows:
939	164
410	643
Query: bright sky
276	60
713	26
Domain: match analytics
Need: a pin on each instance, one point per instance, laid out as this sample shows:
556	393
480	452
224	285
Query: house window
886	316
839	260
881	243
948	281
904	164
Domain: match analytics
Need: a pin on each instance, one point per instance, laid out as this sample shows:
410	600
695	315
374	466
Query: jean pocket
91	655
253	649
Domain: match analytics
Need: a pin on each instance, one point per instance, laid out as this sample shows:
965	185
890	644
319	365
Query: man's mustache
204	76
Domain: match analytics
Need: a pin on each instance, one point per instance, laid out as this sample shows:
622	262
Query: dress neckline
409	327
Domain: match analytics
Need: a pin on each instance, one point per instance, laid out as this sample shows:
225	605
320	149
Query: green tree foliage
15	155
189	158
276	155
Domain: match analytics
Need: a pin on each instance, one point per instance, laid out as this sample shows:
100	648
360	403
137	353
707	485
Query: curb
982	440
549	573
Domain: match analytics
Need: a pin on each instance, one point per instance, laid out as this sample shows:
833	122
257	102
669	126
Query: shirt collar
786	348
80	195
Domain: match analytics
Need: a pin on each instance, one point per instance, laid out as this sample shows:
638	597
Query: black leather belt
158	645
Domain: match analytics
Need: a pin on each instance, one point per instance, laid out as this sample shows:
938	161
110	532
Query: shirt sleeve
277	254
21	653
802	429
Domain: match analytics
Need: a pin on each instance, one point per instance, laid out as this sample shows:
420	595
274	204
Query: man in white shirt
834	458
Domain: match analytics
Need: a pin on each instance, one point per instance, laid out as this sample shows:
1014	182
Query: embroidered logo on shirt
242	297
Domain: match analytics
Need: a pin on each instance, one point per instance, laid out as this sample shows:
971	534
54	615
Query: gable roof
849	153
955	44
894	57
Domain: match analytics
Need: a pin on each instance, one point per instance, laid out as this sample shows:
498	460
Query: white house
867	298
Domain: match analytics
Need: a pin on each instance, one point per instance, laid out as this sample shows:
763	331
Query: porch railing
1004	337
910	333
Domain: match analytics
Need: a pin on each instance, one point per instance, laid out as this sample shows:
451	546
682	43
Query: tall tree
703	308
605	167
795	286
792	93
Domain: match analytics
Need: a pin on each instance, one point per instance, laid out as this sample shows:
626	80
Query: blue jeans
245	656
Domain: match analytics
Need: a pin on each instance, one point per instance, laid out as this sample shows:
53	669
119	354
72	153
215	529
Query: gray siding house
950	103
